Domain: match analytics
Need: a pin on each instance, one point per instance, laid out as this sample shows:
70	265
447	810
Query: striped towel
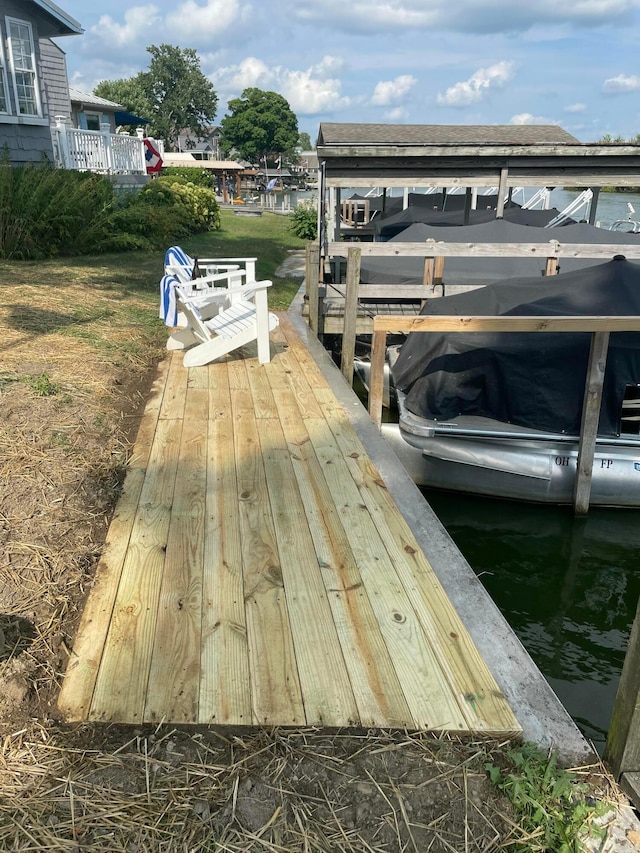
168	304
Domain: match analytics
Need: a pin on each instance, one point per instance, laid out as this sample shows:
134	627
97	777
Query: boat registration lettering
562	460
606	463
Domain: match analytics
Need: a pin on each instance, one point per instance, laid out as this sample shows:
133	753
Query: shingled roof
334	133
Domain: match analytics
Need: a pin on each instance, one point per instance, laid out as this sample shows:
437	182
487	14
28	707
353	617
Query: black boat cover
477	271
534	379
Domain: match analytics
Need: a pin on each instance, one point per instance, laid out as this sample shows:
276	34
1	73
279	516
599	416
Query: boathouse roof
333	133
406	155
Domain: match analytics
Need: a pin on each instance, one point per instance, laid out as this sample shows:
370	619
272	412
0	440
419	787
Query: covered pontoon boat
500	414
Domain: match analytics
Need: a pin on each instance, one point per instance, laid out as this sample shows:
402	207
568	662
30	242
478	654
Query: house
33	77
207	148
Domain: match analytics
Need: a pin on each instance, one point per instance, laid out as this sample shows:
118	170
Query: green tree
128	93
174	94
260	125
304	142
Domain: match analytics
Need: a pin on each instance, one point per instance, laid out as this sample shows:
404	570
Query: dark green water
568	587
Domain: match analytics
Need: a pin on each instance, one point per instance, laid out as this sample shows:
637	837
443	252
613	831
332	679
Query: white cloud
391	91
462	15
190	20
397	114
575	108
528	118
622	83
308	92
137	22
476	87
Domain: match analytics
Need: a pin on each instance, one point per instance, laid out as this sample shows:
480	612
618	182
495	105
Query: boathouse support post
590	418
376	377
502	191
593	207
350	313
622	753
312	279
467	205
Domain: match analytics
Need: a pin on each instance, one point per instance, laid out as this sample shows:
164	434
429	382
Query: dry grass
79	345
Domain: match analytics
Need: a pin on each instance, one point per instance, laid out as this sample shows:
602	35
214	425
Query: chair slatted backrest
192	313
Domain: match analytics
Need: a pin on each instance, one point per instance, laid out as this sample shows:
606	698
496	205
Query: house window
22	65
4	83
93	121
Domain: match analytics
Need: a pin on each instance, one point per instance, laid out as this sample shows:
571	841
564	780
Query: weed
41	385
550	801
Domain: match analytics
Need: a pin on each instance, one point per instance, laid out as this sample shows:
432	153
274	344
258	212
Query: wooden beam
507	323
350	312
590	419
555	248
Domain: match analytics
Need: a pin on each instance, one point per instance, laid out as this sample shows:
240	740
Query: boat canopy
534	380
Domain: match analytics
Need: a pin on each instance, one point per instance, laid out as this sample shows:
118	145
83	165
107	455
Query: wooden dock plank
82	670
374	682
482	703
225	695
326	690
174	680
422	680
120	690
276	694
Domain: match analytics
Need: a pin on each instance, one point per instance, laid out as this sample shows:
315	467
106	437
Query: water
568	587
611	206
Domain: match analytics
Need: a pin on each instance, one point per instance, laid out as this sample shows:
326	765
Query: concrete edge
543	718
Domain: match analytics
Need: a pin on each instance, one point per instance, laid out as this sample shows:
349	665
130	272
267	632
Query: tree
260	125
174	94
128	93
304	142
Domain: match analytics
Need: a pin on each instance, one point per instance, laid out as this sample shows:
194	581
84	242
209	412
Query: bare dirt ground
76	365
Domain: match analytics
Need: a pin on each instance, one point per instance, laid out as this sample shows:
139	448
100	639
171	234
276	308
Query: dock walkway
258	572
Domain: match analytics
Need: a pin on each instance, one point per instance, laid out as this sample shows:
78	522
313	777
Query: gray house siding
54	80
28	137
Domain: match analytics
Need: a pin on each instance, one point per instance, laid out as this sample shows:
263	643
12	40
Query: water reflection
569	588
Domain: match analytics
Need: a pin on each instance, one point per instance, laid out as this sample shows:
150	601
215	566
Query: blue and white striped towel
168	305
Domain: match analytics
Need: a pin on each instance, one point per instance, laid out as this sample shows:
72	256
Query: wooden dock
257	571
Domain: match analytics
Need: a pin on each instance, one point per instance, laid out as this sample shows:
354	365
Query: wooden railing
434	255
98	151
600	328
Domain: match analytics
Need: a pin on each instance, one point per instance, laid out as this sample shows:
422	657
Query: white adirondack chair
209	300
178	263
242	320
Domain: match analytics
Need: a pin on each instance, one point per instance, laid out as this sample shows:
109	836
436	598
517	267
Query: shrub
187	174
199	203
46	212
304	220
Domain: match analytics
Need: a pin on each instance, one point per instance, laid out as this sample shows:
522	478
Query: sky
575	63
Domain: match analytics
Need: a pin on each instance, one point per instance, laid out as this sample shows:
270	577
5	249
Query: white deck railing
98	151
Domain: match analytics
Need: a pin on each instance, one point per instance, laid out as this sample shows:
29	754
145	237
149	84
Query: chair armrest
250	287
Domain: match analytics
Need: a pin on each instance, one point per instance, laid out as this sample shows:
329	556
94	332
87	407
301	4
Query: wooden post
376	377
502	189
551	267
467	205
622	753
312	268
590	418
350	313
594	205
